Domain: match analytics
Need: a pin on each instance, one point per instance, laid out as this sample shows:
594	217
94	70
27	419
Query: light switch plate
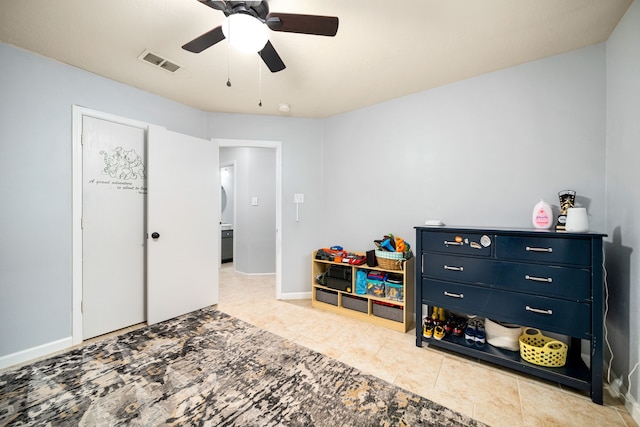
254	201
298	198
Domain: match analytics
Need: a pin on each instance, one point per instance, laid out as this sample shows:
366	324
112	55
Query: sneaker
458	328
427	331
470	333
480	337
450	324
438	332
434	317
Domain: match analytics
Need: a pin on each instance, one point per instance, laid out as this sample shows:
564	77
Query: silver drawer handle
449	294
538	279
530	249
539	311
453	243
449	267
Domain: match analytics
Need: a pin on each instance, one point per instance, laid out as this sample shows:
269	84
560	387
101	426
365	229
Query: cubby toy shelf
396	314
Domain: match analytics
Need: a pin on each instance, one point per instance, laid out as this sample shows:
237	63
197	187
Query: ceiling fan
286	22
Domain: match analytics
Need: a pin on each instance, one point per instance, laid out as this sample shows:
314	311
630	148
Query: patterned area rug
210	369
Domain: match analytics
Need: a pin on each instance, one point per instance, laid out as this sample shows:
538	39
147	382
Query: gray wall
254	227
623	195
478	152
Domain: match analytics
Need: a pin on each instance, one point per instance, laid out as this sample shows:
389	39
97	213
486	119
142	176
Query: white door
183	197
113	238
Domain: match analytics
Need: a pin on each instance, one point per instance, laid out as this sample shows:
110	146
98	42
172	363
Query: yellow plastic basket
540	350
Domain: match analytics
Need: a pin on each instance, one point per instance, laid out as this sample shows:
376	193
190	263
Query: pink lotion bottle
542	215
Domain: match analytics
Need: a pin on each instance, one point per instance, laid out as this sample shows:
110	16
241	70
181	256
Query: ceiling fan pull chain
229	60
259	80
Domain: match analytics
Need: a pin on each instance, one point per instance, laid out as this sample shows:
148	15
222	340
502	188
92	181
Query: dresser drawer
562	316
538	279
460	269
456	296
556	315
552	281
544	249
458	243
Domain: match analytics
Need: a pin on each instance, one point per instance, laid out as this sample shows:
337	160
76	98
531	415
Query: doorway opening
255	202
227	209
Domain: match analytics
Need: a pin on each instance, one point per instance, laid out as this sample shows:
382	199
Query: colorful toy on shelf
386	245
375	288
377	275
330	254
391	243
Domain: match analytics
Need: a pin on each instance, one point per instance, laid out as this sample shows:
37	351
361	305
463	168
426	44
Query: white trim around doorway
277	145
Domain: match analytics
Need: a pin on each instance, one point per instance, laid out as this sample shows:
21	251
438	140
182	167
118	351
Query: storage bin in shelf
394	291
355	303
326	296
375	288
388	311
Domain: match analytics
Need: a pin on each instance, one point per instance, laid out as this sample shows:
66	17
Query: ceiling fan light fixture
245	33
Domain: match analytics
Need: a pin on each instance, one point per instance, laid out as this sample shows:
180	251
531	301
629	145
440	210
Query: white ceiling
384	49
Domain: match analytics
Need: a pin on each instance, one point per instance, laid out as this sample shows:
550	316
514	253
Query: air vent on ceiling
158	61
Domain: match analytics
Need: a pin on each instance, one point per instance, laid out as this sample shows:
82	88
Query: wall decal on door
123	164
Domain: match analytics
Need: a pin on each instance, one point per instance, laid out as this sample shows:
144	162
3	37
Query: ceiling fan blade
205	41
271	58
303	24
215	4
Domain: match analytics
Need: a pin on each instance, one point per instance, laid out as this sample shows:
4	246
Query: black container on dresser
539	279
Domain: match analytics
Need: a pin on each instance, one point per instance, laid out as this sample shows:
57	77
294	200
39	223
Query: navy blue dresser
539	279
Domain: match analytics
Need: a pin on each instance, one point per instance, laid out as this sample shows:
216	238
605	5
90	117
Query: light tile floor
490	394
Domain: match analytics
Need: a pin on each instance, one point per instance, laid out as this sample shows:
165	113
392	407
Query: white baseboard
295	295
632	406
35	352
255	274
618	389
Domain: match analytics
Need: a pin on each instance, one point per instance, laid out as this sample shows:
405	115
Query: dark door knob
155	235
